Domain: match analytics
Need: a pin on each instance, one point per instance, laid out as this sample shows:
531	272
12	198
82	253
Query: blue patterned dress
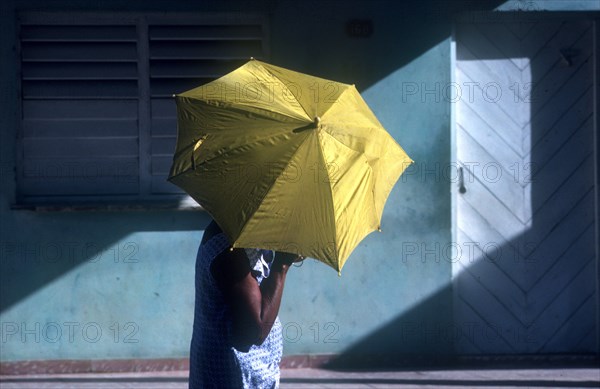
214	363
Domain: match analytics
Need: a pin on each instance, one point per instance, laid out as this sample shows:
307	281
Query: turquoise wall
99	284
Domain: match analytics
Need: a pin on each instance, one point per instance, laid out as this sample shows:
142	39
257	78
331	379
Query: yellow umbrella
286	161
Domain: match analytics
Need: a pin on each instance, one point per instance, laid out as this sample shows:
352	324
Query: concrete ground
317	378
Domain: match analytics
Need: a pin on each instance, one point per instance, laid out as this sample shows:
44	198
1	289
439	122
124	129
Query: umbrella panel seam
270	189
324	163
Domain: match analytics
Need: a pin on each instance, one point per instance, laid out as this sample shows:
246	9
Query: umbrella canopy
286	161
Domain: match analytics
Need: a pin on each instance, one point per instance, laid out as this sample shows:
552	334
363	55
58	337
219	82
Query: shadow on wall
28	264
524	260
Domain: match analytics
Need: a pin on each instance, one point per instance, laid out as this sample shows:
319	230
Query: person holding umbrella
283	161
237	341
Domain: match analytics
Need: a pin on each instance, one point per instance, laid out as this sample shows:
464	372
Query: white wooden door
525	281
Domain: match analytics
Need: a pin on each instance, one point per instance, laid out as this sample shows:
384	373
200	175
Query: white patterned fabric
214	363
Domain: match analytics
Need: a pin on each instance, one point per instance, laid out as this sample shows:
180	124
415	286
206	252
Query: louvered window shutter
185	56
97	114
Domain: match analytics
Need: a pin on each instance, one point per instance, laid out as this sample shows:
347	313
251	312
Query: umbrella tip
251	58
173	95
317	120
379	228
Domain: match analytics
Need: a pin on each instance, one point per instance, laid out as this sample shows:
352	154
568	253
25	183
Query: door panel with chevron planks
525	279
